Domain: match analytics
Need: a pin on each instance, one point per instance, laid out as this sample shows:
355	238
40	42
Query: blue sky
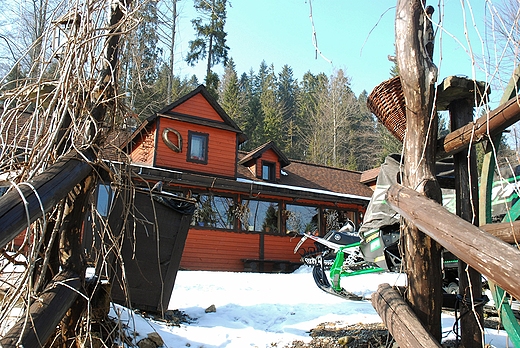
356	36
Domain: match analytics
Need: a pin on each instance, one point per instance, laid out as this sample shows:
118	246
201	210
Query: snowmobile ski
320	278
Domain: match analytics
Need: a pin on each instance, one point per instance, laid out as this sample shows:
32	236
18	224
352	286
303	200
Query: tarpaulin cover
379	213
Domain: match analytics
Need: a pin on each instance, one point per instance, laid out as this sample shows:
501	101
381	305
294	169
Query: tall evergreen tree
143	64
366	141
340	115
271	109
230	97
287	91
307	106
253	121
312	89
263	71
210	41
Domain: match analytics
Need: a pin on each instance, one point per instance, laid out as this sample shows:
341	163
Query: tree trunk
171	74
71	253
70	250
422	258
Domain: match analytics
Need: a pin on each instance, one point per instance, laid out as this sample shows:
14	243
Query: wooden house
251	206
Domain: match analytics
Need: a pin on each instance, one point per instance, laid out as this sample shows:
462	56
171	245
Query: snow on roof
304	189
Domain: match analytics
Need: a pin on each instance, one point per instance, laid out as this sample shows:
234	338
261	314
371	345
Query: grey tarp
379	213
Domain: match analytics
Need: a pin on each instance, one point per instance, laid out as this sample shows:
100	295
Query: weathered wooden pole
485	127
508	232
399	319
44	314
38	196
422	255
459	94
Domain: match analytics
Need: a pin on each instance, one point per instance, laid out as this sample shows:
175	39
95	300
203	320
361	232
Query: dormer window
268	171
197	147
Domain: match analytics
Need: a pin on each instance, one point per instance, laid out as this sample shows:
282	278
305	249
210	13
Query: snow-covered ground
265	310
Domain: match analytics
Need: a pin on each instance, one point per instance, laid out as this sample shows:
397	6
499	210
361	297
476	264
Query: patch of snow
265	310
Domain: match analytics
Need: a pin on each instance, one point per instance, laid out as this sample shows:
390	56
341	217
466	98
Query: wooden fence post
422	256
459	95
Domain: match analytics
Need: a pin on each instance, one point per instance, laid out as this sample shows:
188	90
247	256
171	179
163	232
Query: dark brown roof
369	175
305	175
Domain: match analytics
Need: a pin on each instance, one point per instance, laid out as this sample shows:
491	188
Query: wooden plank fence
498	261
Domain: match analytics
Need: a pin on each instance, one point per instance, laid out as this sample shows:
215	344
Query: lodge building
251	206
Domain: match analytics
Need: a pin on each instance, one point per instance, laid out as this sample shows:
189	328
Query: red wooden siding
223	251
269	156
198	106
221	149
143	150
280	248
218	251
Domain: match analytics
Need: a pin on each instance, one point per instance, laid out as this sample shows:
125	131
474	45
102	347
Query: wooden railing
486	248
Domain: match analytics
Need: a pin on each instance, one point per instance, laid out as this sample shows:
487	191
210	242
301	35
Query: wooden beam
45	313
488	125
400	320
508	232
40	195
498	261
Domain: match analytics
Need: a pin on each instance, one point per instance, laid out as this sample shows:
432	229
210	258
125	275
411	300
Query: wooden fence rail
488	125
40	195
400	320
508	232
45	313
495	259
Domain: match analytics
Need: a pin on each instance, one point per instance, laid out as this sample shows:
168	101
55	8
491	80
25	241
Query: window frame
271	174
209	212
261	221
293	214
195	159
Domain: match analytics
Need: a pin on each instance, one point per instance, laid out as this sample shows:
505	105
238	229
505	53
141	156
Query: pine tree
253	120
313	100
287	91
230	98
271	109
308	104
143	64
366	141
210	42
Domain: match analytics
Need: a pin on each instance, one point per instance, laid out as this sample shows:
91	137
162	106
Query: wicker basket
387	102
